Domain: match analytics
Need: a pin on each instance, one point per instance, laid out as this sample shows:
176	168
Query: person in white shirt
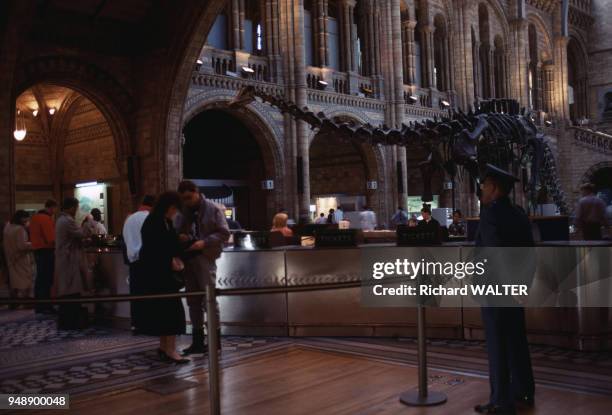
321	220
132	240
367	219
92	225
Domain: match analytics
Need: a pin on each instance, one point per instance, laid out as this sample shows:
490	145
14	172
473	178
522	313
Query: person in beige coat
70	281
18	253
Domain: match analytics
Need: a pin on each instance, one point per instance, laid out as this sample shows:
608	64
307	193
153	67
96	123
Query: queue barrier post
213	350
421	396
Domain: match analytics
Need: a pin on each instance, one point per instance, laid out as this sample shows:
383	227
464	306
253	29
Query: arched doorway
577	81
441	54
69	149
224	156
340	171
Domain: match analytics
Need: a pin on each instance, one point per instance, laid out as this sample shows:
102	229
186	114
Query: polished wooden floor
302	381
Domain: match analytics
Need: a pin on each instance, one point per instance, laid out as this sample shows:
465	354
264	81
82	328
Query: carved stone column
560	92
427	56
320	30
448	77
272	35
370	49
409	52
347	49
518	67
491	70
548	86
238	14
476	69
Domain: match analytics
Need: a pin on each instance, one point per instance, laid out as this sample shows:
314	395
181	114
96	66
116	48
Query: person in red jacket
42	236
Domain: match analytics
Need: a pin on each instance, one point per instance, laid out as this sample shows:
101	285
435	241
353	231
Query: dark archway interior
220	151
219	146
602	179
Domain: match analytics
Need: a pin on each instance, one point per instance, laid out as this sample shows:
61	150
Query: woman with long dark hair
158	261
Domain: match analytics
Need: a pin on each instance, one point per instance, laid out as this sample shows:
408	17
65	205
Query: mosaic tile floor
37	358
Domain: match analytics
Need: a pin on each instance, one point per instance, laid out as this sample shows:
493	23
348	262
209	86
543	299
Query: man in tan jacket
203	226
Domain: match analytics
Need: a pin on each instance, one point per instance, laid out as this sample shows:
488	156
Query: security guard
510	373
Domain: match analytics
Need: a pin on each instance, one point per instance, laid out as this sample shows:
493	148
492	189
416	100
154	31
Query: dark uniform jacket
503	224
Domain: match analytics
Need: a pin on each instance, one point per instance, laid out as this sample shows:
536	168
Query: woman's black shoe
489	408
194	349
163	356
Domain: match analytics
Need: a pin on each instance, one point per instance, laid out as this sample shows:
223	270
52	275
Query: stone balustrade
593	139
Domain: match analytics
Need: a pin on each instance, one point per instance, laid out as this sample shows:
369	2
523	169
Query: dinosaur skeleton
499	132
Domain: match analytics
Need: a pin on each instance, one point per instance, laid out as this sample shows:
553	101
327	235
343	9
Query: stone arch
577	78
542	30
90	81
442	55
502	17
588	175
110	99
374	159
375	156
255	117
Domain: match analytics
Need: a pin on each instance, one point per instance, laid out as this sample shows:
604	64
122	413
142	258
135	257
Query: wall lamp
247	72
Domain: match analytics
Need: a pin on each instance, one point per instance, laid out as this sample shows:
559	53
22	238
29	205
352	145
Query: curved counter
339	312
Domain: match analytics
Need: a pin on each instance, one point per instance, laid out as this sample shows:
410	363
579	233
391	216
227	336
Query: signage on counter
416	236
337	237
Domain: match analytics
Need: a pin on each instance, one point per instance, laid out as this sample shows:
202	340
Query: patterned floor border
36	358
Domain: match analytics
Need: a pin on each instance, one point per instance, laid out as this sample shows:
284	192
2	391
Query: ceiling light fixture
20	127
35	112
51	111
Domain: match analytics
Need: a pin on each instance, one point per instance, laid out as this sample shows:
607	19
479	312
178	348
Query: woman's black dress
163	317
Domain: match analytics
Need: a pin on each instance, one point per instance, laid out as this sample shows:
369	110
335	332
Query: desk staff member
457	228
510	373
428	224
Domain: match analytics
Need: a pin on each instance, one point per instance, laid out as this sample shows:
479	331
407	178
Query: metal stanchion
421	396
214	397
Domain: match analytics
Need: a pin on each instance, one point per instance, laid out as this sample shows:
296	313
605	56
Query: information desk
339	312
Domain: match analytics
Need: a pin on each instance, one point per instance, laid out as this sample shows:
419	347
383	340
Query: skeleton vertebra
498	132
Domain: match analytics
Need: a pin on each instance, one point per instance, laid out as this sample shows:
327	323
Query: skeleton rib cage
497	132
